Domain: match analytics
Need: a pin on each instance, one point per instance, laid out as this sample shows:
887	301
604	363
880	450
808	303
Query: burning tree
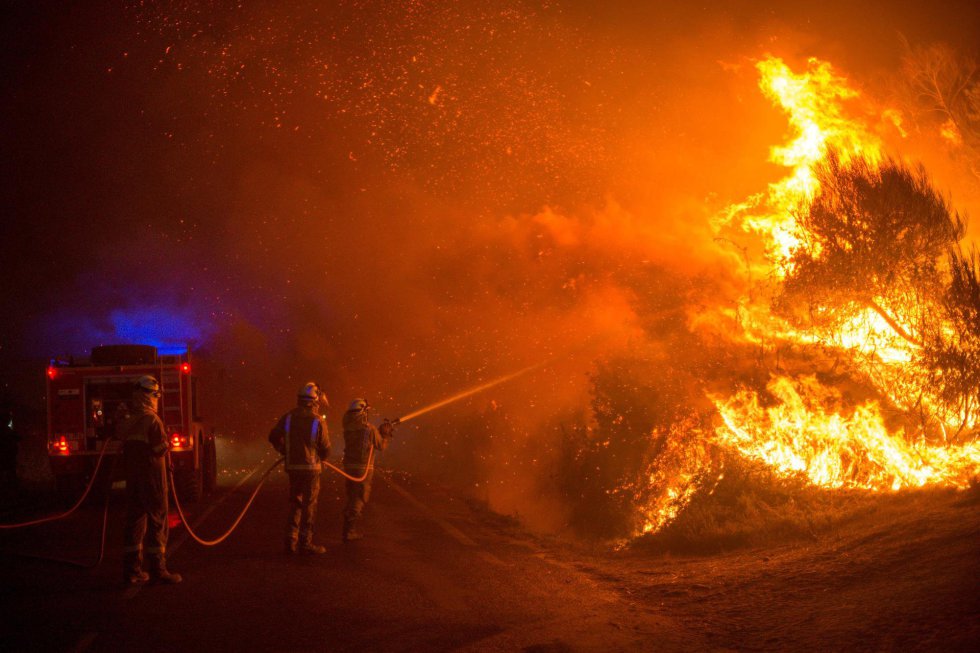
871	239
945	84
863	259
951	348
874	241
861	262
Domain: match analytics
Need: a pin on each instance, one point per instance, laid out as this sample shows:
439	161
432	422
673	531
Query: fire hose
255	492
197	538
81	500
234	525
218	540
356	479
105	521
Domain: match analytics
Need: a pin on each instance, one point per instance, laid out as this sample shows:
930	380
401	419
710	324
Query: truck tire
188	485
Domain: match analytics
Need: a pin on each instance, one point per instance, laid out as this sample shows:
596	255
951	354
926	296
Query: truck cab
87	399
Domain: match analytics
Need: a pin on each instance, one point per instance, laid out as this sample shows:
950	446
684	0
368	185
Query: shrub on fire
642	455
878	275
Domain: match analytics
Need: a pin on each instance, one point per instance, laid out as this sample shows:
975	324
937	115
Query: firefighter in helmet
362	440
301	436
145	447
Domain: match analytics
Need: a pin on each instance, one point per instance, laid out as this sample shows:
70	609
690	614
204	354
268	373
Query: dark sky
341	190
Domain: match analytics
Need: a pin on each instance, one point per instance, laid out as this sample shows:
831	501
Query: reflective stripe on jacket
301	436
146	426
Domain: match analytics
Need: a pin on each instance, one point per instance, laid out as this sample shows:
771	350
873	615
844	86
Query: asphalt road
435	573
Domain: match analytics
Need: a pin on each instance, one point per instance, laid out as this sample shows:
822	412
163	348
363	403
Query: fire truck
86	399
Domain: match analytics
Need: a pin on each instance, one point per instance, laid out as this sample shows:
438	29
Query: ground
441	572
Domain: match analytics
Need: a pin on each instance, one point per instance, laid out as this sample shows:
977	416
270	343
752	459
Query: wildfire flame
811	432
804	427
813	102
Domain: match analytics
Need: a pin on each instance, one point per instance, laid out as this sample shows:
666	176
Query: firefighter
301	436
360	439
145	447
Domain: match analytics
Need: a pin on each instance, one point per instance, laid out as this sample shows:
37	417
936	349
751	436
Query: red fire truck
86	398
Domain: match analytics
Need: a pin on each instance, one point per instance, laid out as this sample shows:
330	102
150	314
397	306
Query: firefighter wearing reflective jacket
301	436
362	441
144	457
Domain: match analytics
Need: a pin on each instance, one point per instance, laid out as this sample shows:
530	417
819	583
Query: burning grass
752	505
779	457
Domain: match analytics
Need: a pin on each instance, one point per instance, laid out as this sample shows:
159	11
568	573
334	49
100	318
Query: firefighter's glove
387	429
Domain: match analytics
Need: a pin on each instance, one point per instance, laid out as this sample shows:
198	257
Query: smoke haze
404	201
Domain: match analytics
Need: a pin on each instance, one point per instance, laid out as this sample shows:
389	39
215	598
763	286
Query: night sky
344	191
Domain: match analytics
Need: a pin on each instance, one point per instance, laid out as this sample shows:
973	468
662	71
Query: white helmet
149	385
358	405
309	393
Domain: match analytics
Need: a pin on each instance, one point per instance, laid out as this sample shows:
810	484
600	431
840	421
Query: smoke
168	326
396	202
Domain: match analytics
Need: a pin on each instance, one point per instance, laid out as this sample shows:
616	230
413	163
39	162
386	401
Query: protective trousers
304	491
358	494
146	509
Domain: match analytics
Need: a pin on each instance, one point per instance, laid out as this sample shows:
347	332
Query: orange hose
238	520
348	476
75	507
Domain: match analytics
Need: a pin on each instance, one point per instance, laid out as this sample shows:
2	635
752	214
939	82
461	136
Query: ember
406	200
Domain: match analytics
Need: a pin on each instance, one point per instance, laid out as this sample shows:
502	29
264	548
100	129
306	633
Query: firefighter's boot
166	577
290	547
350	531
161	575
353	534
136	577
312	549
133	573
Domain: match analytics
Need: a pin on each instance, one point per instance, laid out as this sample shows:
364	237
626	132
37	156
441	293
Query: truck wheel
187	483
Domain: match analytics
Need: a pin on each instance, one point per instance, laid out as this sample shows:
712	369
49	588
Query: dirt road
439	573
